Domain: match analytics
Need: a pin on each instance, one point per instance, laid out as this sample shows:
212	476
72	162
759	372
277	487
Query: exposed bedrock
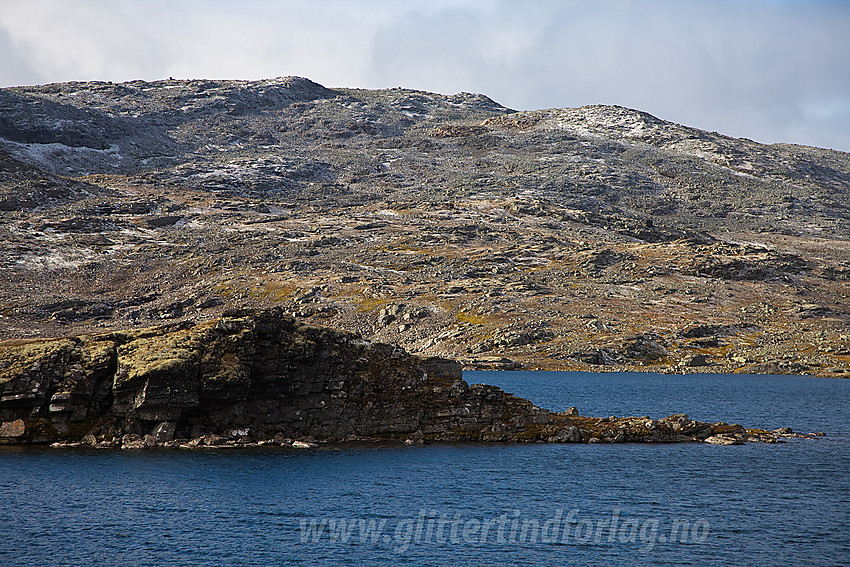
263	377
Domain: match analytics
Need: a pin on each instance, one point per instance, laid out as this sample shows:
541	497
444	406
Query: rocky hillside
261	377
589	238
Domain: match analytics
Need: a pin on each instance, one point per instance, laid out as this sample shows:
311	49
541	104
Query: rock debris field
594	238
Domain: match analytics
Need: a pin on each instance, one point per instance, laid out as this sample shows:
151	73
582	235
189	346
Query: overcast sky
769	70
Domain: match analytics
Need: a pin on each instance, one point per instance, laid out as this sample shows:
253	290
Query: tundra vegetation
593	238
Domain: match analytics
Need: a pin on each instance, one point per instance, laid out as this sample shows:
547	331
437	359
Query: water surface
745	505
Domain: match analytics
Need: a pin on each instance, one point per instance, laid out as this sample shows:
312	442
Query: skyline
768	70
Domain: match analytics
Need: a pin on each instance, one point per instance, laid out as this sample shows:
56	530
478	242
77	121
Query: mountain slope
566	238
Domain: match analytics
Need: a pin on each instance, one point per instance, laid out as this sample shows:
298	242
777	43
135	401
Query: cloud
766	70
771	70
16	68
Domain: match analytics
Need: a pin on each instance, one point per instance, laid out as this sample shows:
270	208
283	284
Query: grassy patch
367	304
472	319
274	291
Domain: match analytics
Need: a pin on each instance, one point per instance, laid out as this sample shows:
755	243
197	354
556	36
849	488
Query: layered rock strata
262	377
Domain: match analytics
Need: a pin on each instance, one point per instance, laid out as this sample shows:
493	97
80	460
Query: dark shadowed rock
255	376
259	373
697	360
648	347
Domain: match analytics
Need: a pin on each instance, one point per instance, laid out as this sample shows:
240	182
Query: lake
694	504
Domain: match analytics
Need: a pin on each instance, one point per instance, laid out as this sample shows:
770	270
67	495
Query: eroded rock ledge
262	377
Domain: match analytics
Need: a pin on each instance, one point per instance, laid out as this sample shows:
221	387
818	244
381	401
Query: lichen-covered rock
647	347
12	428
260	373
262	376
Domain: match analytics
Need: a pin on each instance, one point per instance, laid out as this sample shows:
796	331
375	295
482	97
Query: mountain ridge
449	224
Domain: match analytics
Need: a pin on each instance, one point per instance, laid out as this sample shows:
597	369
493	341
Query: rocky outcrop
261	377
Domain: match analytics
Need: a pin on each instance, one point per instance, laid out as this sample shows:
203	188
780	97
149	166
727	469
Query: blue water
755	504
755	401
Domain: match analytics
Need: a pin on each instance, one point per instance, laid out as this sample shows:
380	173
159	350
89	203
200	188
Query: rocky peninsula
262	377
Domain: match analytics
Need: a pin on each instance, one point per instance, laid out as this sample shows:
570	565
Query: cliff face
260	377
252	375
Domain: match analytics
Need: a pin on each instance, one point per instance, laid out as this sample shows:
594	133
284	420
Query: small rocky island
261	377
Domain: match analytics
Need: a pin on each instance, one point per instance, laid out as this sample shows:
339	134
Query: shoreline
262	376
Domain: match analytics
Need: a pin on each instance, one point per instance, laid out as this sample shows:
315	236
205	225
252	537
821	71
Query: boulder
14	428
697	360
648	347
723	440
132	441
599	357
164	431
569	434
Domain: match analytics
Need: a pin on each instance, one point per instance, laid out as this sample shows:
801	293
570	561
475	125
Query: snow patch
46	156
55	260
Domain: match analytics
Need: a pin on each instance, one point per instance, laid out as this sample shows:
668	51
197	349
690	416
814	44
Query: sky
768	70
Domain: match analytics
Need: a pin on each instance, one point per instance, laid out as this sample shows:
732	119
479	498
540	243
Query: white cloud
771	70
16	68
